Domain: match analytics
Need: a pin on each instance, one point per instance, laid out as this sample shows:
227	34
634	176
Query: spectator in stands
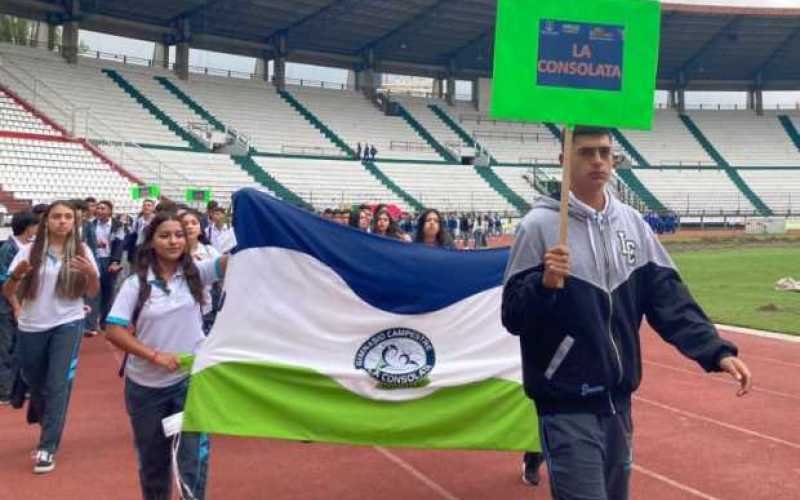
219	234
384	225
358	151
51	276
157	315
372	152
201	251
431	230
23	227
110	240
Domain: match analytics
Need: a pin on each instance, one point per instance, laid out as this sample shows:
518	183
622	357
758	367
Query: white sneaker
45	462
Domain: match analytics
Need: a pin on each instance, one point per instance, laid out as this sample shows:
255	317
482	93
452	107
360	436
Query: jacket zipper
600	224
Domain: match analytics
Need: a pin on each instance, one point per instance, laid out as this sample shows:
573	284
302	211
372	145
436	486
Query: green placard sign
576	62
152	192
203	195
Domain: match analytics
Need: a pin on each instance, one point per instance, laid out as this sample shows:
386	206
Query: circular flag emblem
397	358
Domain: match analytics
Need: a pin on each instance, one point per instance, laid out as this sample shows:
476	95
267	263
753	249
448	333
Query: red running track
694	439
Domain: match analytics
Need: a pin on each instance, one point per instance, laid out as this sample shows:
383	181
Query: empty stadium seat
508	142
15	118
254	108
746	139
444	135
446	187
669	142
43	171
694	190
177	171
86	87
356	120
329	183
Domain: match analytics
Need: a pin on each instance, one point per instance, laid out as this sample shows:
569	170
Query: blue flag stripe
394	276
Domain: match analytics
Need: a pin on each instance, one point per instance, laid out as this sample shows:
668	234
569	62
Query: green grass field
737	286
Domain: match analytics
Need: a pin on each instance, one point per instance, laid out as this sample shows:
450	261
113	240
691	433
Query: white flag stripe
289	308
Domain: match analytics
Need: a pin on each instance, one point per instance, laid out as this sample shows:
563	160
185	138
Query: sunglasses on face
588	152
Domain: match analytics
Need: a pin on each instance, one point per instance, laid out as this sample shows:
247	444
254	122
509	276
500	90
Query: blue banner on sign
580	55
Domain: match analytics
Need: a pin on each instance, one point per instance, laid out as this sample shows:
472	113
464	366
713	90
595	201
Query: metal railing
516	136
409	146
533	160
302	82
687	164
293	149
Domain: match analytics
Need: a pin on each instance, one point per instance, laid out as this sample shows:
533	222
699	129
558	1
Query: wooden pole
563	232
565	186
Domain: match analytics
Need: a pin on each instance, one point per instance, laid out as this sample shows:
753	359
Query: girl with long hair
50	277
157	316
200	250
383	224
432	231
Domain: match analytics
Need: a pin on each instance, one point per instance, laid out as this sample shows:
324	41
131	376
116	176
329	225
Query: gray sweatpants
589	457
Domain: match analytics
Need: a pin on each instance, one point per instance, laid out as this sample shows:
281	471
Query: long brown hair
146	259
70	284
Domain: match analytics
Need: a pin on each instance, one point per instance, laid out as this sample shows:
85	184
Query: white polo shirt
48	310
222	239
170	321
205	252
105	237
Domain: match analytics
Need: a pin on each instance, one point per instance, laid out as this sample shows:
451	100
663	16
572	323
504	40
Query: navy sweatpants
589	457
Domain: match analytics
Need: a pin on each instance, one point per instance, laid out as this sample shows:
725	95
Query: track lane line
757	389
430	483
719	423
675	484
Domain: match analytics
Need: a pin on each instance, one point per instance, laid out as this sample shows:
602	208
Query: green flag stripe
287	402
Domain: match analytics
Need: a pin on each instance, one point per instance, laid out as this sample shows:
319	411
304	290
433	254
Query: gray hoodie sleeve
526	302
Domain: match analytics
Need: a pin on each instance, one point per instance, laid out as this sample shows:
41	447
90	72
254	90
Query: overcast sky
138	48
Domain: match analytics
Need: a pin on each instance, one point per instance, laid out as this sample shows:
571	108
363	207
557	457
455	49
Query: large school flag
576	62
331	334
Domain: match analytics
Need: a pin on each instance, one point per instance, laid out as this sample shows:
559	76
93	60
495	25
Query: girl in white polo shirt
50	277
201	252
156	316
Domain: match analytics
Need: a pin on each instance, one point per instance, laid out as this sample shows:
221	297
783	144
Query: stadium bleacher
329	183
509	142
88	89
43	171
745	139
15	118
357	120
669	143
695	190
254	108
447	187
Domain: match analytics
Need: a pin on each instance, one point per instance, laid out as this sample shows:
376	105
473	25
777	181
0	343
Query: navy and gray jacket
580	344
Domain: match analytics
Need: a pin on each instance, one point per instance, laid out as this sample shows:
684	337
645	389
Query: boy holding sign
577	309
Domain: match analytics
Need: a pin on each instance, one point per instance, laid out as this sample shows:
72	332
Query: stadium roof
703	47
